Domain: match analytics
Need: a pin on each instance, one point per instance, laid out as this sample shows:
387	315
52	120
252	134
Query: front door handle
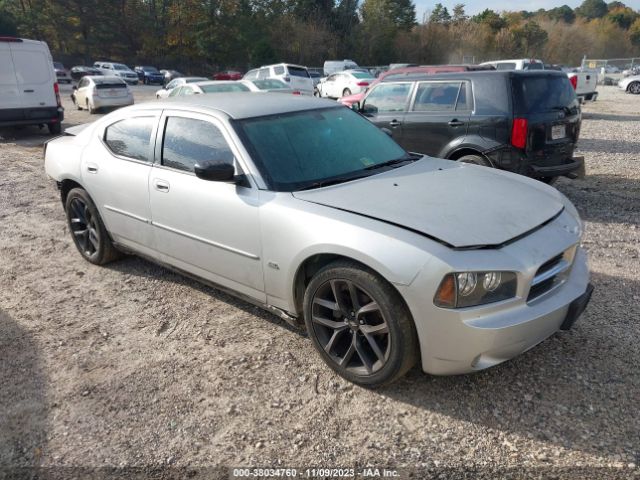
161	185
92	168
455	123
28	91
394	123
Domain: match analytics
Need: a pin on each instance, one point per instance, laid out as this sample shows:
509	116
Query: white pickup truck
584	83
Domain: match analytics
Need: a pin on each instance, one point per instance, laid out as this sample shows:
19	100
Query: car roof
472	74
239	105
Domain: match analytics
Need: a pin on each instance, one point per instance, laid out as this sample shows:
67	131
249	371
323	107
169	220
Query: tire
634	88
346	92
316	93
476	160
75	102
87	229
146	81
548	180
55	128
90	108
372	343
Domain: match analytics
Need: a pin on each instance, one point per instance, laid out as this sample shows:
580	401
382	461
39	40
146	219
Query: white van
517	64
335	66
29	92
296	76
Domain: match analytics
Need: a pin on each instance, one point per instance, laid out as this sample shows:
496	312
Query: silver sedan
304	207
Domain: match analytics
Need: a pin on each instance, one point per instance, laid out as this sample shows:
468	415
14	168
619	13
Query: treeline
206	35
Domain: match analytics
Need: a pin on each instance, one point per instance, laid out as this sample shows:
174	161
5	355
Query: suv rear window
537	94
298	72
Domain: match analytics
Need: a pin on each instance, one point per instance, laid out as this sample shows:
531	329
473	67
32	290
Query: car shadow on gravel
27	136
622	195
609	146
140	267
23	398
576	390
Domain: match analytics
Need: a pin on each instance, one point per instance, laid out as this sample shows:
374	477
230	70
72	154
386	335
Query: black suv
526	122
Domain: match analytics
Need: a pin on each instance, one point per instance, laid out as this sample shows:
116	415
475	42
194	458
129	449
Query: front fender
470	142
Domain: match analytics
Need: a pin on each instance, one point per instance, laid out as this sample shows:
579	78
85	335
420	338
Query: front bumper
458	341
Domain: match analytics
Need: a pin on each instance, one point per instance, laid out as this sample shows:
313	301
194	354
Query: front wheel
87	230
634	87
360	324
55	128
346	92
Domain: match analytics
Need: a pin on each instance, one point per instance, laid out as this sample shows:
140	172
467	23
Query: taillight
574	81
519	132
56	90
362	84
297	92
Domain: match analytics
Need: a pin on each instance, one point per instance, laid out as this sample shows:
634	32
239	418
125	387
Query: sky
476	6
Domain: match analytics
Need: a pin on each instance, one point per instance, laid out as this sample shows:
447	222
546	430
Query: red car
406	71
228	75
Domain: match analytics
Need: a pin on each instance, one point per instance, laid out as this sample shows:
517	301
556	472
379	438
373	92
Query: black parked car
81	71
526	122
149	75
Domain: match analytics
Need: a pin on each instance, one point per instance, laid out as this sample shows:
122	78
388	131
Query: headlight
470	289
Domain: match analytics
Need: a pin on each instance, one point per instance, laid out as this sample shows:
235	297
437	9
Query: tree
623	17
459	15
591	9
532	38
562	14
440	14
634	33
8	25
490	18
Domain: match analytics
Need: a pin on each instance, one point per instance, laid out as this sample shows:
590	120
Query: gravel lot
134	366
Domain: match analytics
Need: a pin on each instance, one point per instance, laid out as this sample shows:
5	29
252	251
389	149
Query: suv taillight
362	84
574	81
56	90
519	132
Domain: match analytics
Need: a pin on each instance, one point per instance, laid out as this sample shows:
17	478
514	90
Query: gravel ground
132	366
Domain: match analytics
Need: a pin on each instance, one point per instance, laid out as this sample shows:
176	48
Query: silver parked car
307	209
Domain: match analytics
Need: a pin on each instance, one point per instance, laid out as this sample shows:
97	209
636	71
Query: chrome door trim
207	242
127	214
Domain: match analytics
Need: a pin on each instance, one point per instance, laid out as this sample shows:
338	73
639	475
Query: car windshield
270	84
58	65
150	69
300	150
224	87
298	71
119	66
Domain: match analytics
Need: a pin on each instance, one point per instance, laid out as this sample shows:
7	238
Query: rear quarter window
130	138
298	72
537	94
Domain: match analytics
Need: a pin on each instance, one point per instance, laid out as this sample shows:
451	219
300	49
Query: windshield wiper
396	161
331	181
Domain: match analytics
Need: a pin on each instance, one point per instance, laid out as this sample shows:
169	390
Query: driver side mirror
355	107
75	87
215	171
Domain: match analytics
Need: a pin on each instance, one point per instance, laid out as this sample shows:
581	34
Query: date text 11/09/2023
317	473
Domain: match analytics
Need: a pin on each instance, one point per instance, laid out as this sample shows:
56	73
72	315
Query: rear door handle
92	168
161	185
28	91
394	123
455	123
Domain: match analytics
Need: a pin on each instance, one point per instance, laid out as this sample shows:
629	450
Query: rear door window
188	141
388	97
278	70
437	96
506	66
131	138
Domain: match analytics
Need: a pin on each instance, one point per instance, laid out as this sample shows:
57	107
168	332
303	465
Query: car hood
464	206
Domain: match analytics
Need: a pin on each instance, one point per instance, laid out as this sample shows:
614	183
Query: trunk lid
462	205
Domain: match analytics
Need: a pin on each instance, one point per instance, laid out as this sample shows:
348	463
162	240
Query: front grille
551	274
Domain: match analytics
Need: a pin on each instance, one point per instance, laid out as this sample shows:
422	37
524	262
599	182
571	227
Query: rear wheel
476	160
634	87
90	107
87	230
346	92
359	324
55	128
548	180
